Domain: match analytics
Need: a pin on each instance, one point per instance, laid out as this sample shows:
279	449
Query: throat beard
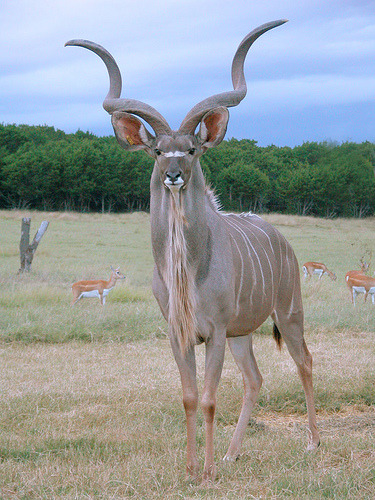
180	279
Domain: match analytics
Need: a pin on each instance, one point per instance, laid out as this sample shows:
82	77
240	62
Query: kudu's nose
174	176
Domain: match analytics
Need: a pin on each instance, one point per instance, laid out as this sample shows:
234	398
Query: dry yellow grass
106	421
90	399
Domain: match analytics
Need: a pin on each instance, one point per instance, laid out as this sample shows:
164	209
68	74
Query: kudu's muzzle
173	175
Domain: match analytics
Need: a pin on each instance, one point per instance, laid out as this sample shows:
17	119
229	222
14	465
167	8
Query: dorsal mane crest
213	199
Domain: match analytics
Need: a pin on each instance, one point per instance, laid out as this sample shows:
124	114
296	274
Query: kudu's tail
277	337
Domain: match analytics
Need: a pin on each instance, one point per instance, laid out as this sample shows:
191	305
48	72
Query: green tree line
46	169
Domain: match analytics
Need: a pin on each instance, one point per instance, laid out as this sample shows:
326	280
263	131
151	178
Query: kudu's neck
187	208
179	241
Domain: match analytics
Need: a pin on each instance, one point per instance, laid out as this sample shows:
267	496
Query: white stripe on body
263	231
241	280
291	272
265	251
248	244
246	241
281	258
243	225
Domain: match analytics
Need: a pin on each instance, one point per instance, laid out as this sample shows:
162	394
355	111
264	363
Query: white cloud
174	53
312	90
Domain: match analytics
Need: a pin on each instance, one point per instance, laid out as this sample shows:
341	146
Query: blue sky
312	79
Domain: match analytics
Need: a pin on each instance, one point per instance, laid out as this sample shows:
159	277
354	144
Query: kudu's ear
213	127
130	132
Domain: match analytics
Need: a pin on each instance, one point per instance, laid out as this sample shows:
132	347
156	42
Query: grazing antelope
96	288
217	276
311	268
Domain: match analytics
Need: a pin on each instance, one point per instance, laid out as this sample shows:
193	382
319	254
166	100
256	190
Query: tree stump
28	250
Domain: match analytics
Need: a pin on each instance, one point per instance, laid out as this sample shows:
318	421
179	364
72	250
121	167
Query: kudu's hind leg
242	351
291	329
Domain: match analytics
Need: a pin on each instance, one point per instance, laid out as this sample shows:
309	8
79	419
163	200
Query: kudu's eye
191	151
157	151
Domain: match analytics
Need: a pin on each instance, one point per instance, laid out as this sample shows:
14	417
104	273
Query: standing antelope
363	271
217	276
311	268
96	288
358	282
355	288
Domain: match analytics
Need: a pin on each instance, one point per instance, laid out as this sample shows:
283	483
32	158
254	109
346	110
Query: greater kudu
217	276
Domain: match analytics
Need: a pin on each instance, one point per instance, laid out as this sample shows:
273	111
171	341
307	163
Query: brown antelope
354	289
363	271
217	276
96	288
358	282
311	268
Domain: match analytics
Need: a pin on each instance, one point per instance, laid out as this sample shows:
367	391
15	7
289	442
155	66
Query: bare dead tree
28	250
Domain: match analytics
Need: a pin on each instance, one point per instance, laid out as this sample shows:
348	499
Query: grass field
90	400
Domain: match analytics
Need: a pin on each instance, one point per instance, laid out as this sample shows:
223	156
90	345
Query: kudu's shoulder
252	235
253	226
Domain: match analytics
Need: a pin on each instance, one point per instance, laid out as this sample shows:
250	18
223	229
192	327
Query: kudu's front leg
215	349
187	368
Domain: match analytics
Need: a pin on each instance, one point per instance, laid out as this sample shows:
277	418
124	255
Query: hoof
192	473
231	458
209	475
312	447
